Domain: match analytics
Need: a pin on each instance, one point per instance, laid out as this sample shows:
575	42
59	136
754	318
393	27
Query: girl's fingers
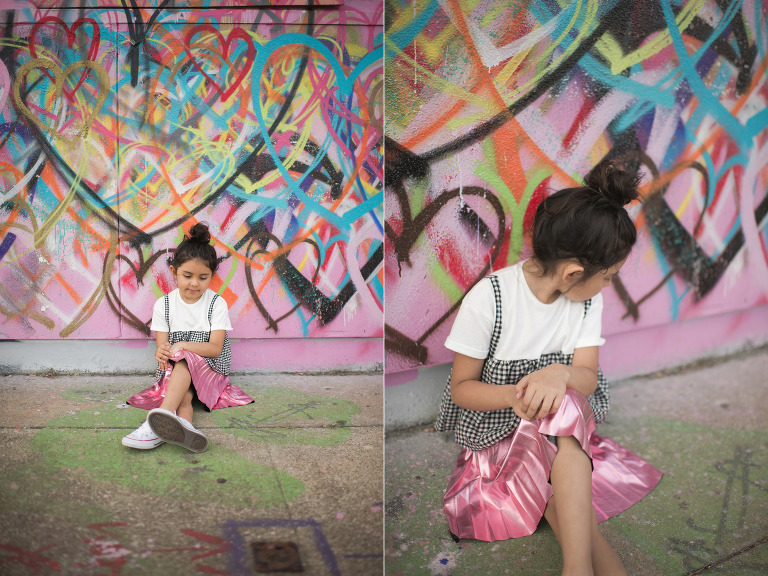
534	409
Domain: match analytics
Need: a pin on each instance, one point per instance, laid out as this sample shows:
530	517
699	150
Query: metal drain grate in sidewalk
276	557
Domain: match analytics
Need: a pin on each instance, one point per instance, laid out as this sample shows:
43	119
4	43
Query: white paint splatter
444	563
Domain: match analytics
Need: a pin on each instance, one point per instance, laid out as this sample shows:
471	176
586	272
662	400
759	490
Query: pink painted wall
121	128
492	106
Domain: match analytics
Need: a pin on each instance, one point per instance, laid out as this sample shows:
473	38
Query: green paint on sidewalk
81	442
713	496
36	488
281	416
711	502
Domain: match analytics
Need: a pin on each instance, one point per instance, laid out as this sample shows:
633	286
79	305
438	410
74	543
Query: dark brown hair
196	245
588	223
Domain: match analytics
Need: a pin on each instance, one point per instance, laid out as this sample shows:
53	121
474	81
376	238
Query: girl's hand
516	403
162	353
542	392
178	347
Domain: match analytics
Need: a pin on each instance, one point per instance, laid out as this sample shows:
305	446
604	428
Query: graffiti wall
491	106
122	124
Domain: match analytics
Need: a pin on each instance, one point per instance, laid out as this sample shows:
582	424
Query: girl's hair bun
614	185
199	233
196	246
587	223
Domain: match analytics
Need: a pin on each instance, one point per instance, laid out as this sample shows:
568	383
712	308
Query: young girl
193	352
525	392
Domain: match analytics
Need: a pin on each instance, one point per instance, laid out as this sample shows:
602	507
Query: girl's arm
161	352
467	391
542	392
210	349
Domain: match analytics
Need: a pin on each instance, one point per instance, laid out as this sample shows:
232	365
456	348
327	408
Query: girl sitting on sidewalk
193	352
525	392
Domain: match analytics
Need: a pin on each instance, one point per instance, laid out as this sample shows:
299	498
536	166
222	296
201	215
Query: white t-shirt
191	317
530	328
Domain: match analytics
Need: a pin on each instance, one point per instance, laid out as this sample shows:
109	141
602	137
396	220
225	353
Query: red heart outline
235	34
93	49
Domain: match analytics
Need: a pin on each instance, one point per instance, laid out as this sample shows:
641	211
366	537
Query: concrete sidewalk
705	427
302	464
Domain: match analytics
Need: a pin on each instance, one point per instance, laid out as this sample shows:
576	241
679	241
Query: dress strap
210	310
496	334
167	312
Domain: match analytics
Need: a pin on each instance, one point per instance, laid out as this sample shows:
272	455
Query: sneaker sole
142	445
172	431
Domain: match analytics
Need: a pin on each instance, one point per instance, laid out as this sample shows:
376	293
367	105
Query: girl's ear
173	269
572	272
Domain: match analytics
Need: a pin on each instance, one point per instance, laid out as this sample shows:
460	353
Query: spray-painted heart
222	55
293	280
59	79
405	348
344	90
93	47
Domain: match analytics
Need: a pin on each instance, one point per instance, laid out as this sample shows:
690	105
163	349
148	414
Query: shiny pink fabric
212	389
501	492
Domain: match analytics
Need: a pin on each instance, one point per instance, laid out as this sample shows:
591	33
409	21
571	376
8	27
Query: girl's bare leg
605	561
571	479
178	397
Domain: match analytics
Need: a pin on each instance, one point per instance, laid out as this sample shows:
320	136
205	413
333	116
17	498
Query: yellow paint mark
512	64
611	50
59	80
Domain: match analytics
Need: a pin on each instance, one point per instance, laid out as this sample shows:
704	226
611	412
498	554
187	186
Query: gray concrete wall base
415	402
308	355
413	398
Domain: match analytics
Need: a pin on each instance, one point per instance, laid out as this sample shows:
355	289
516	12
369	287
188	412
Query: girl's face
581	292
192	278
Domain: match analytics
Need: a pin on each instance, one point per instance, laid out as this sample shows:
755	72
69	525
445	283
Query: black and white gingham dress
220	364
477	430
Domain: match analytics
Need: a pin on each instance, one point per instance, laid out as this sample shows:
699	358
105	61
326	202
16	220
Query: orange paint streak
229	296
78	246
510	132
434	127
71	291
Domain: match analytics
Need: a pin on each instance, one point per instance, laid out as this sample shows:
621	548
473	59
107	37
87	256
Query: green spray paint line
489	173
218	474
229	276
440	275
88	442
280	416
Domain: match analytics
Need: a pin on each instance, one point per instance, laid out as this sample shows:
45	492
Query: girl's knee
567	442
569	447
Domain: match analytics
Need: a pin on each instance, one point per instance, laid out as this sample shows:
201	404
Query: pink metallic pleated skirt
501	492
212	389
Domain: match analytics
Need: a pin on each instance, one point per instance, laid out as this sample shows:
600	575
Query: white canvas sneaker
176	430
142	438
